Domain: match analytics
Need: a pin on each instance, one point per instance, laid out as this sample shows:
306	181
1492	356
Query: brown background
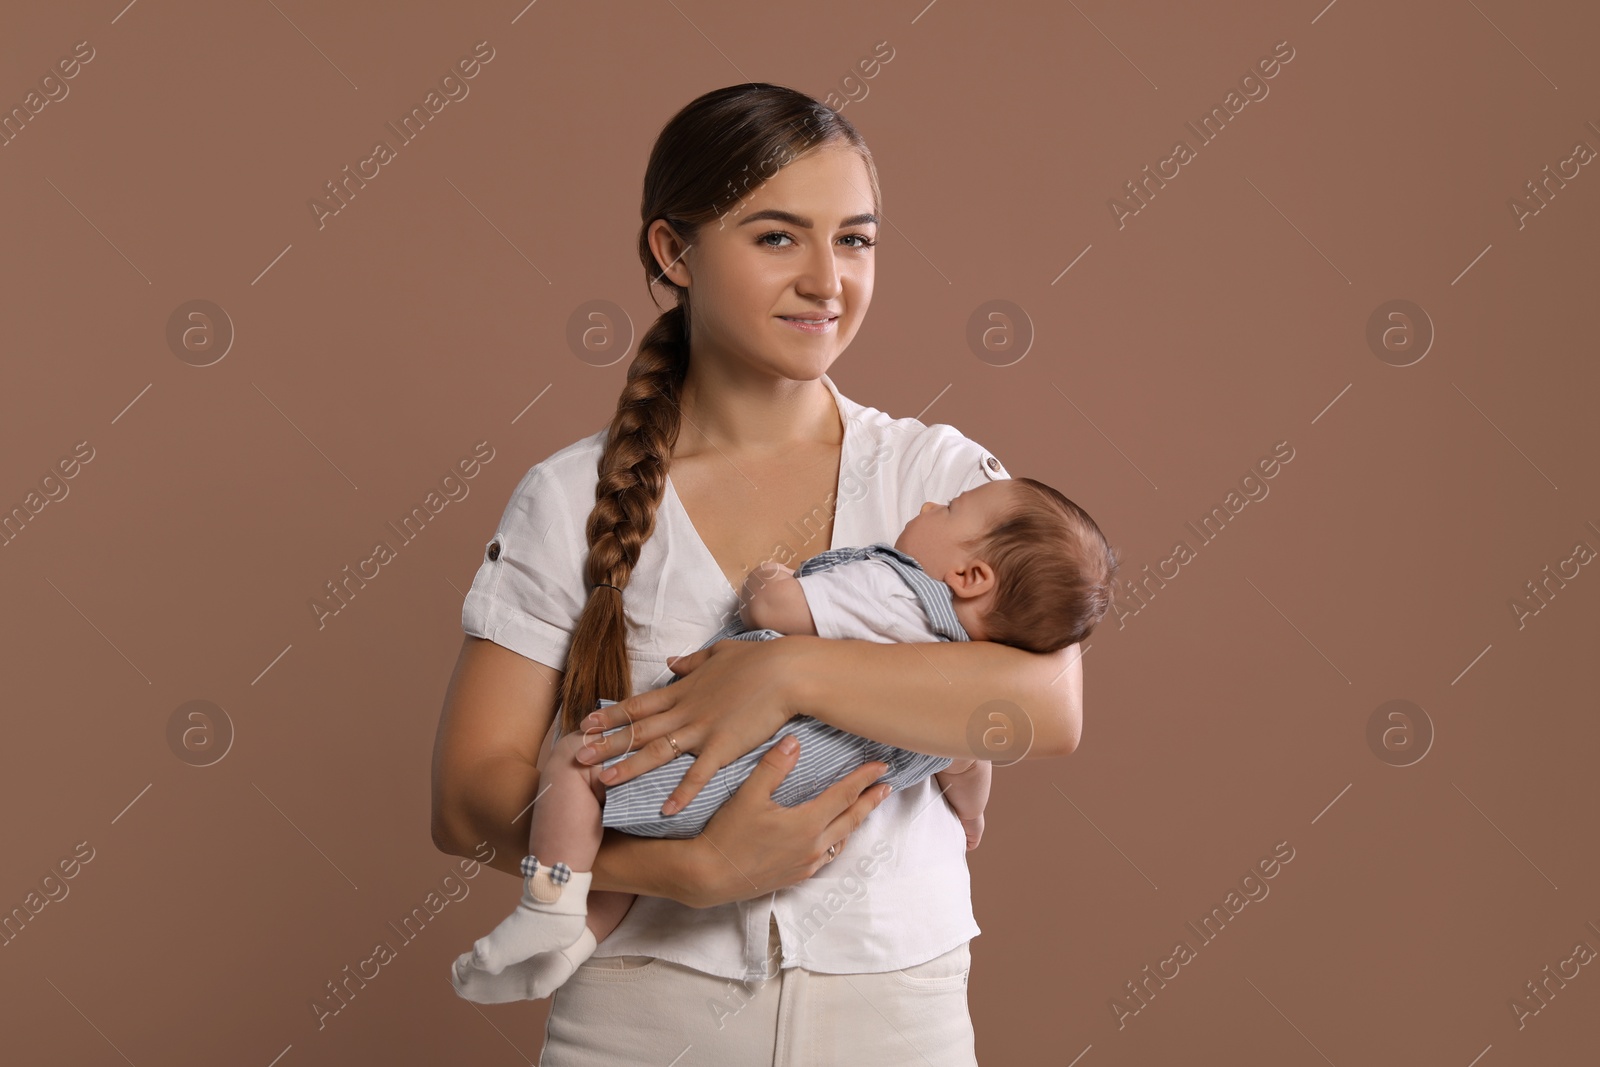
1227	716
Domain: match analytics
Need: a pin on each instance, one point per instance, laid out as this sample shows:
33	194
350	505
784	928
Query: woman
778	935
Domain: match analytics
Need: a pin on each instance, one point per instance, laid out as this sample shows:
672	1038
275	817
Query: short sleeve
985	467
867	601
941	465
528	592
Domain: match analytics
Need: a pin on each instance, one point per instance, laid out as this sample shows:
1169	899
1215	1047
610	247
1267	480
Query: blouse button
994	464
494	551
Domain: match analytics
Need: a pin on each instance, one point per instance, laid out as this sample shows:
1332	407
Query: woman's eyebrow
804	223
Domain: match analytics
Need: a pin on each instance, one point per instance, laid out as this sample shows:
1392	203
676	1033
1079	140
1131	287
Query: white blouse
898	892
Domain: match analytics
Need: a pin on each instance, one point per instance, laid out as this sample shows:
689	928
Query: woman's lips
809	326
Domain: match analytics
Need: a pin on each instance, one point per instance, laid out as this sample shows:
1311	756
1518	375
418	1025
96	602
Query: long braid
633	477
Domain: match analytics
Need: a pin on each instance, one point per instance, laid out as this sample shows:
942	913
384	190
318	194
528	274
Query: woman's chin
807	365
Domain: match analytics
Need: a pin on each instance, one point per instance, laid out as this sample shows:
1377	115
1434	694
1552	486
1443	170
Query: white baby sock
550	916
532	979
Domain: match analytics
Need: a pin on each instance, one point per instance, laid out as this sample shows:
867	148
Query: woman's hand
753	845
730	698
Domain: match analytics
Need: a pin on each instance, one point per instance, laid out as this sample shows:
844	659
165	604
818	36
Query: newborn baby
1011	561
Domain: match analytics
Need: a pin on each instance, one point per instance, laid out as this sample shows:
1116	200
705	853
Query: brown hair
705	161
1053	571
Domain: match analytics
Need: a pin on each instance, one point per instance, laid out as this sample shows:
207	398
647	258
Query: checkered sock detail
560	873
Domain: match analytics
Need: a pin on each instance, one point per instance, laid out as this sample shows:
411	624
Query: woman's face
799	245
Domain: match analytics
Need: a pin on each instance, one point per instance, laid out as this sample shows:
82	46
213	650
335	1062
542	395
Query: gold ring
833	850
676	751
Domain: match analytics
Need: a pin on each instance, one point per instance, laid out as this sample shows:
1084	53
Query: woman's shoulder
574	468
556	494
927	459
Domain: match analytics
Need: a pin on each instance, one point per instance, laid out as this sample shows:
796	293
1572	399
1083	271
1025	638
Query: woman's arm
951	698
497	711
965	699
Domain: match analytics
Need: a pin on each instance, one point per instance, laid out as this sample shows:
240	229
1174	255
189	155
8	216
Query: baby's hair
701	169
1053	571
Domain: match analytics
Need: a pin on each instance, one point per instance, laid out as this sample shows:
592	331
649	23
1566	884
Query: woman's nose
822	279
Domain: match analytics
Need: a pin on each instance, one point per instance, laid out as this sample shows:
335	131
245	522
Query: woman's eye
866	242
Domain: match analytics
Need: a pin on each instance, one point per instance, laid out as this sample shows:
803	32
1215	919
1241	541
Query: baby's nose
926	504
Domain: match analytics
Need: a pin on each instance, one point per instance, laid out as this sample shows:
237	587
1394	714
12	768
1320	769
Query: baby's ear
975	579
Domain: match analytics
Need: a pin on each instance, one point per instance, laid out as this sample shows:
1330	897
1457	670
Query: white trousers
620	1010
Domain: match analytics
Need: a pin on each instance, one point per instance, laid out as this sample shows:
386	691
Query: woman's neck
753	414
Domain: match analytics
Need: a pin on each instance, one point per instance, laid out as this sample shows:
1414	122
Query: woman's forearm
486	811
950	698
656	867
646	866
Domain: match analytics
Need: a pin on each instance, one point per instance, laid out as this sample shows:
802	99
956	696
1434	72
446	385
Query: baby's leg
606	911
566	815
566	826
562	841
557	924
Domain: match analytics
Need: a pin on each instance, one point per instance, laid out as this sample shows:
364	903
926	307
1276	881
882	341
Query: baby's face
934	538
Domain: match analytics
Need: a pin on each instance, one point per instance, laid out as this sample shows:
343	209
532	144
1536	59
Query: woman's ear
669	249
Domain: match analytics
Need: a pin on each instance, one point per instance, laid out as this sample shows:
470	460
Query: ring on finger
833	851
676	751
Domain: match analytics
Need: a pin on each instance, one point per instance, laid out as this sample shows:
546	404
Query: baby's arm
773	600
966	786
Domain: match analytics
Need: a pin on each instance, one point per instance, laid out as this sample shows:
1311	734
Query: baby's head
1049	566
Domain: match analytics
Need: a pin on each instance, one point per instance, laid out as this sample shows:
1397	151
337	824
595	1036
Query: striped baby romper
827	753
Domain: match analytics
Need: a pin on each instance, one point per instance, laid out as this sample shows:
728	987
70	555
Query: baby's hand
773	600
760	575
757	579
974	829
